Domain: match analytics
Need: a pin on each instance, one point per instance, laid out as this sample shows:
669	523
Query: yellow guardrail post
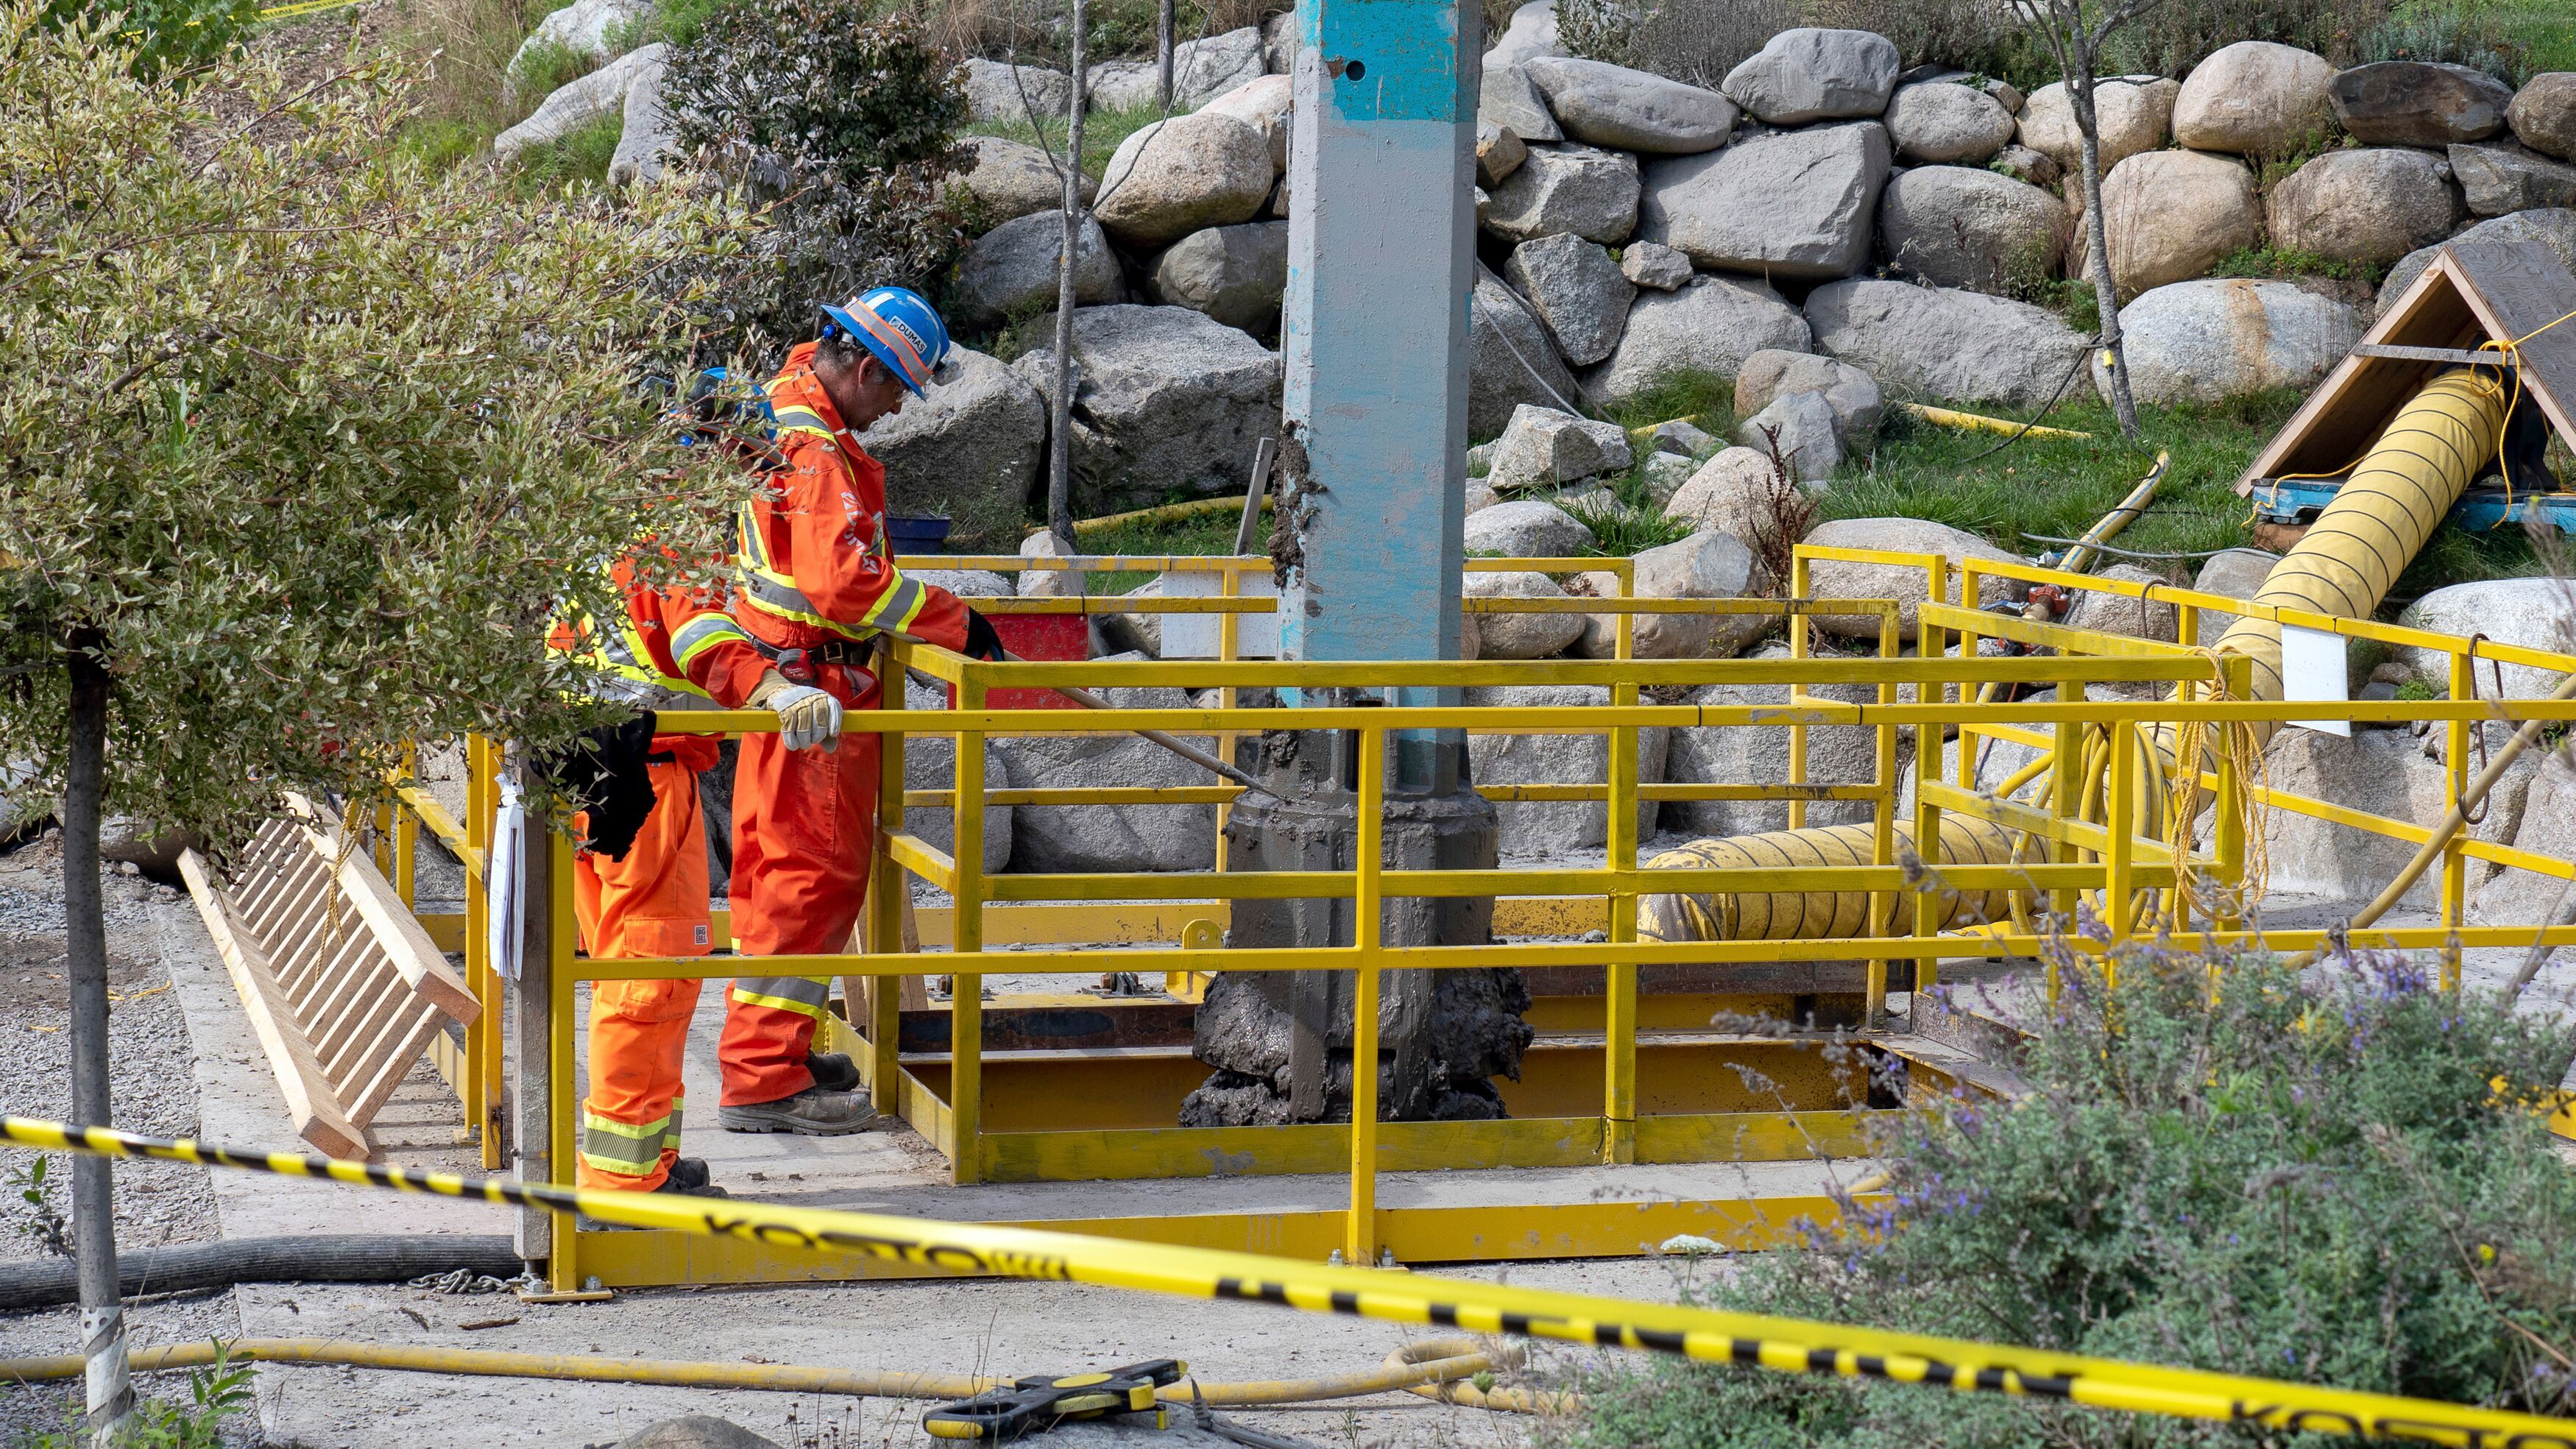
565	1086
1359	1241
2119	813
485	1056
966	936
2228	847
891	891
1930	641
1619	986
1882	834
2455	774
1801	646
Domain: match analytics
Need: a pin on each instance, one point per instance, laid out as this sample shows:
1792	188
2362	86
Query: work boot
688	1177
814	1112
833	1071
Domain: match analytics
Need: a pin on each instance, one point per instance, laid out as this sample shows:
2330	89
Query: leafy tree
842	128
300	449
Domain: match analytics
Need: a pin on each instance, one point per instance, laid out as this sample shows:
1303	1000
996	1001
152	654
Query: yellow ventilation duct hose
2379	519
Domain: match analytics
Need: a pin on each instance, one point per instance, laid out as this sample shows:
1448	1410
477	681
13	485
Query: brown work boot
814	1112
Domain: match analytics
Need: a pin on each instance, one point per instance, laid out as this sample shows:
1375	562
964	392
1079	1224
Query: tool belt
797	666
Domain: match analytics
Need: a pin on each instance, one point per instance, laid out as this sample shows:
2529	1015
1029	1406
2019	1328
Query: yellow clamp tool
1035	1405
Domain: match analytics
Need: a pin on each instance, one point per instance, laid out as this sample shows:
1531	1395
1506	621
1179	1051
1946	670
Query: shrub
2338	1178
174	34
843	128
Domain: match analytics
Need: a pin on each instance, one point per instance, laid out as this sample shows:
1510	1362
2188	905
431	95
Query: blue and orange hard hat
899	326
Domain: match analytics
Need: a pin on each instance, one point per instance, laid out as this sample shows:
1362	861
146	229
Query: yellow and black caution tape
1788	1345
304	7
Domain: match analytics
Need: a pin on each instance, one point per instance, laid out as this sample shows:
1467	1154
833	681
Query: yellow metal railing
1171	922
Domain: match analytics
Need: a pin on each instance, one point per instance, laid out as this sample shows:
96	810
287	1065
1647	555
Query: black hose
323	1258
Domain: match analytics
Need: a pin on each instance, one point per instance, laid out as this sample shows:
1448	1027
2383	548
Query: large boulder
1592	194
2514	897
1174	177
2256	98
2239	573
1853	394
1168	401
589	29
2377	772
1759	755
1266	104
1632	110
2554	228
1800	427
2214	339
1835	579
1528	35
2132	116
1939	122
1962	226
2369	206
1027	94
1526	529
1546	446
578	103
1518	635
1013	179
1556	827
1809	74
1236	274
2500	177
2527	613
2419	103
2543	114
1048	583
1087	838
1499	152
2171	215
1012	271
970	447
2108	613
1710	326
1510	99
647	137
1653	264
930	763
1736	493
1707	565
1941	342
1511	359
1794	204
1576	290
1201	71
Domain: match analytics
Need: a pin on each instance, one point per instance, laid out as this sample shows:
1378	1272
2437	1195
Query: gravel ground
149	1055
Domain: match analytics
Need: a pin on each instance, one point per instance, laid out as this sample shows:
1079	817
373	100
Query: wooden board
2473	293
343	987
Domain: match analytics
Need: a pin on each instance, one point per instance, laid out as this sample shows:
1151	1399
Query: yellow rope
2194	891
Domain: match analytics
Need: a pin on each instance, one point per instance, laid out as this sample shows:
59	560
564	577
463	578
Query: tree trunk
102	1316
1163	55
2106	297
1060	410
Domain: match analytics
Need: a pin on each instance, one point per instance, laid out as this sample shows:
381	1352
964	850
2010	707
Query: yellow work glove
807	716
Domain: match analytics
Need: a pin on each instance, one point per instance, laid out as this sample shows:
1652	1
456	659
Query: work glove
807	716
981	642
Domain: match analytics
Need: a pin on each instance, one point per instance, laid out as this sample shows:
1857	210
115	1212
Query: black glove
981	642
607	773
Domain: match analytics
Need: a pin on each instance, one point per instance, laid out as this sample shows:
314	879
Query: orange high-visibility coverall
815	576
671	647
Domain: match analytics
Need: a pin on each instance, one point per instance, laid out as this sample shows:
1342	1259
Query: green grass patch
2292	262
675	21
1705	399
581	156
1625	522
1102	132
1199	536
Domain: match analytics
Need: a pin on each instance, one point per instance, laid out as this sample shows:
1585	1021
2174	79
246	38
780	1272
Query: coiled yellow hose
1815	915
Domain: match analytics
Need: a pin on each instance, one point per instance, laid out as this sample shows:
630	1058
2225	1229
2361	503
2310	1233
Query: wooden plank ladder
343	987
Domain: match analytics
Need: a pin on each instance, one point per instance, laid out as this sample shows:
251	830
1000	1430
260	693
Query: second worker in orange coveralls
818	584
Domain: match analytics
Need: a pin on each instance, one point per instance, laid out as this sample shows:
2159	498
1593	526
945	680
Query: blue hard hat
900	327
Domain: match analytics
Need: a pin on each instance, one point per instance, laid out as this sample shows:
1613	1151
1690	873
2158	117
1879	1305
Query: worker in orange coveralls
817	586
640	883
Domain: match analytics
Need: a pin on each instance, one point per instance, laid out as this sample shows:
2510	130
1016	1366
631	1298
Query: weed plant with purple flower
2341	1176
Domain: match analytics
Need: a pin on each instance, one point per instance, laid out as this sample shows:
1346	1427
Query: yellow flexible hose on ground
1814	915
1420	1367
2379	519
